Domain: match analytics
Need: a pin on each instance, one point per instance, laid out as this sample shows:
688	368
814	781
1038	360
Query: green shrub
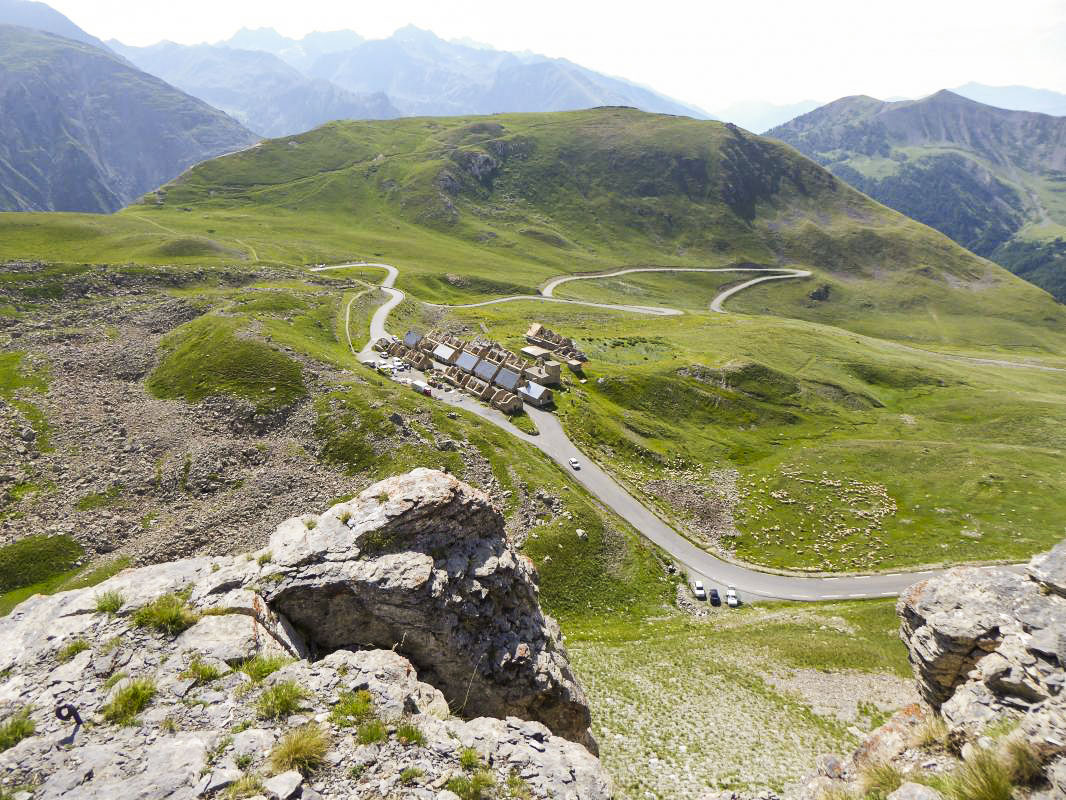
201	672
129	701
352	708
478	786
265	558
409	774
68	651
109	602
16	728
302	750
371	731
409	733
168	613
259	667
280	700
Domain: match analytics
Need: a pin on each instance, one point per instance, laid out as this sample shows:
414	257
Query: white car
699	591
731	598
574	463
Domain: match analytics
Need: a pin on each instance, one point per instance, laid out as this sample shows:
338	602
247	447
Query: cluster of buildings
489	371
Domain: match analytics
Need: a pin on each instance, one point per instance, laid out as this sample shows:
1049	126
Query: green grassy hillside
853	374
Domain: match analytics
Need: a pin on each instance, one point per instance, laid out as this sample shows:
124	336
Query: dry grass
303	750
932	734
878	781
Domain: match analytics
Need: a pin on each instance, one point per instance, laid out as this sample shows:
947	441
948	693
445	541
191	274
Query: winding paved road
554	442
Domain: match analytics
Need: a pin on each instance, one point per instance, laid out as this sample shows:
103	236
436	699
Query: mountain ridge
990	178
83	130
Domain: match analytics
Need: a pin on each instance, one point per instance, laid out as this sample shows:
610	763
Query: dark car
716	600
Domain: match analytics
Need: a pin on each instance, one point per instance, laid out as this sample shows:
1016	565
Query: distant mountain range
82	130
422	74
758	116
29	14
256	87
993	180
1016	98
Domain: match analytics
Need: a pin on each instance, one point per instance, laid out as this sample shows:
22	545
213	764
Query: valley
180	376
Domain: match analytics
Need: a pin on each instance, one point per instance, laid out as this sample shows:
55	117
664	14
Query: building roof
536	351
467	361
535	391
443	352
507	378
486	370
412	338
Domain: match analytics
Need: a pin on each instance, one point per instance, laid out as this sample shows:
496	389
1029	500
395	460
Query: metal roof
534	390
467	361
486	370
443	352
507	378
412	338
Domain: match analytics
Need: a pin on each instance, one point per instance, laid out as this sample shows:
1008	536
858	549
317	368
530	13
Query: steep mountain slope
991	179
80	130
30	14
425	75
257	88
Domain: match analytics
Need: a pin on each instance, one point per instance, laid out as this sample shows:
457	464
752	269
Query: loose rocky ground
152	478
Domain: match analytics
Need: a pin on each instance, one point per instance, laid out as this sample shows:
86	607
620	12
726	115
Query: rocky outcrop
420	562
414	583
988	648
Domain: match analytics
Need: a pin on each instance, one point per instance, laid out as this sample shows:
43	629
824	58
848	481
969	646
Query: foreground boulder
988	648
190	676
420	562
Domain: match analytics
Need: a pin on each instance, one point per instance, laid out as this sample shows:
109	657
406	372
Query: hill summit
989	178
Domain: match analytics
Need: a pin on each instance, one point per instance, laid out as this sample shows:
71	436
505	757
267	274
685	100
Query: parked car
716	599
731	598
574	463
699	591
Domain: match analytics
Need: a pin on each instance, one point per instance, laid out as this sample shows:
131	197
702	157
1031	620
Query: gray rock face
193	738
420	562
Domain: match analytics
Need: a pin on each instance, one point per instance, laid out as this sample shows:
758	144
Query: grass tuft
1022	762
371	731
983	776
932	734
479	786
129	701
202	672
109	602
259	667
68	651
168	613
352	708
280	700
409	733
245	786
16	728
303	750
409	774
878	781
469	759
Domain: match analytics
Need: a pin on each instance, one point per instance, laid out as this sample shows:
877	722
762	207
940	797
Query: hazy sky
705	52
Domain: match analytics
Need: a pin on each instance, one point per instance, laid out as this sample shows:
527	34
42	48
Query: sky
705	52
